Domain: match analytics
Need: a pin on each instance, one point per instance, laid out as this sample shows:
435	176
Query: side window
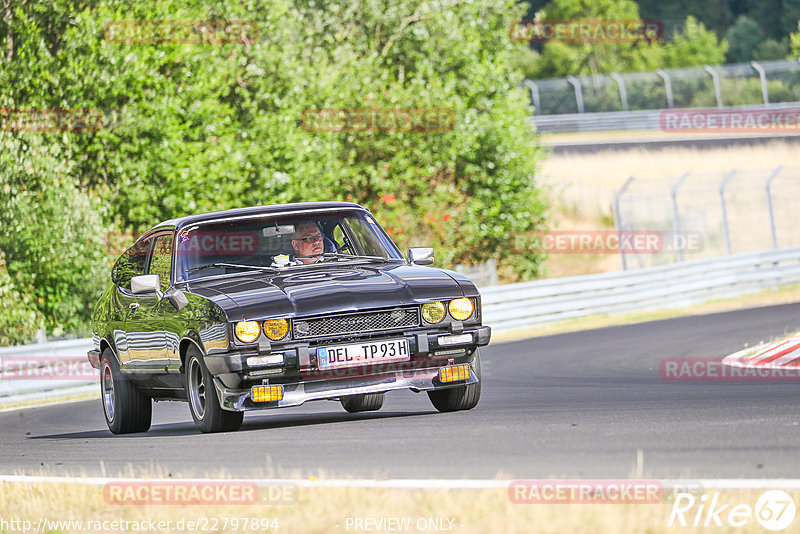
131	263
161	262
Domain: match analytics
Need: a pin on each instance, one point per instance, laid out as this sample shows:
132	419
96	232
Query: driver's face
307	242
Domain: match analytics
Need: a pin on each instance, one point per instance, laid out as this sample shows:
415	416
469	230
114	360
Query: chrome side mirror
177	298
146	283
420	255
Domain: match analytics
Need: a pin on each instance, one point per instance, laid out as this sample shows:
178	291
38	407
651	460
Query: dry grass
326	510
581	187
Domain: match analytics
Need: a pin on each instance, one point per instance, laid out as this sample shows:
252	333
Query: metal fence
741	84
669	286
723	213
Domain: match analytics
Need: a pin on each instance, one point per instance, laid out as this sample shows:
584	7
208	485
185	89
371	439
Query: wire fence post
675	215
618	218
773	231
623	93
725	228
715	79
576	83
667	87
763	76
534	89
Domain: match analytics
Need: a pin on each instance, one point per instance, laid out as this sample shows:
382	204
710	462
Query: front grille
355	323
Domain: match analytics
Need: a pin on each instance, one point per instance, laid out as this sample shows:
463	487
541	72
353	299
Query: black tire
204	405
126	409
368	402
464	397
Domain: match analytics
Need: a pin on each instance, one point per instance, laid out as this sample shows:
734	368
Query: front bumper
416	376
303	356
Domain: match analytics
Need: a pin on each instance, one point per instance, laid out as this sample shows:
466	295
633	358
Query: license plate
365	353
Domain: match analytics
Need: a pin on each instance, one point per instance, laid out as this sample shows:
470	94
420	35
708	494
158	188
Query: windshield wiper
233	266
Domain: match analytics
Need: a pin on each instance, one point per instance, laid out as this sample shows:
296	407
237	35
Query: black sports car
273	306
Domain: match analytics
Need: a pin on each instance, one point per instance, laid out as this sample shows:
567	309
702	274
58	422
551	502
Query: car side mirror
420	255
146	283
177	298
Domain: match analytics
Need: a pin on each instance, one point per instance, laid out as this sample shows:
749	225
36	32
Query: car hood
330	289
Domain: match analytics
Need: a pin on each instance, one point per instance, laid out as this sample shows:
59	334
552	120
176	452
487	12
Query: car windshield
276	243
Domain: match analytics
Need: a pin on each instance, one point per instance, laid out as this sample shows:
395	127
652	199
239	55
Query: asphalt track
570	405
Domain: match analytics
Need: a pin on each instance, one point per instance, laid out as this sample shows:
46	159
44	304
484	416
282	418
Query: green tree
694	46
743	37
196	127
794	44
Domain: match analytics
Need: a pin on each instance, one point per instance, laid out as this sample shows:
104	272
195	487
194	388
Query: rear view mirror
282	230
420	255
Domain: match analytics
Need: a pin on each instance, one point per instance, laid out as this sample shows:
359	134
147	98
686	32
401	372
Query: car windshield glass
278	243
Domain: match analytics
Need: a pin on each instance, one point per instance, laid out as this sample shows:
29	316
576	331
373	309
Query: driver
307	242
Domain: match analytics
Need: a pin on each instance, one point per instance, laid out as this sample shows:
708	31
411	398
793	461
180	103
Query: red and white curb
783	354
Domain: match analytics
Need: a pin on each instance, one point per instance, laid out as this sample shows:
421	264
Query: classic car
274	306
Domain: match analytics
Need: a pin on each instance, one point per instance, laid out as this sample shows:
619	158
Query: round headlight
276	328
433	312
461	309
248	331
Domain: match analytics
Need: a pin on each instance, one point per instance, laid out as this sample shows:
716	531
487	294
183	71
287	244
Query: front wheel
207	413
464	397
127	410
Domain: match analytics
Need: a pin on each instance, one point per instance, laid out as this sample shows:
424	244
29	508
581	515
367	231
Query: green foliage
694	45
744	36
794	44
196	127
53	234
19	318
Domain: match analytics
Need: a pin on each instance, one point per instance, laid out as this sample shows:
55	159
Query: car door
132	263
144	324
161	263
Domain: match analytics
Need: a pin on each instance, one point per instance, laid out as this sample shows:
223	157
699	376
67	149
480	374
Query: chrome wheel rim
108	391
197	388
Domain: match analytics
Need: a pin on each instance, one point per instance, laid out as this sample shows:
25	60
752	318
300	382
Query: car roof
272	209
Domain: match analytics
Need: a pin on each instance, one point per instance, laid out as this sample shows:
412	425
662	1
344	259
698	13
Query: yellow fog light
461	309
276	328
454	373
248	331
267	393
433	312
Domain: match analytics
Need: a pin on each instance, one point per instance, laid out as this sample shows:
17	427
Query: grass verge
49	507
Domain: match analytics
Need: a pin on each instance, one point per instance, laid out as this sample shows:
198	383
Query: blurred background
116	116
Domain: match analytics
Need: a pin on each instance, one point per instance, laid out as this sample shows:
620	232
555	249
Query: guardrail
530	303
39	370
669	286
630	120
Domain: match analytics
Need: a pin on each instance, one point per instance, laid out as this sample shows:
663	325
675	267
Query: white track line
450	484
